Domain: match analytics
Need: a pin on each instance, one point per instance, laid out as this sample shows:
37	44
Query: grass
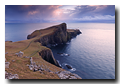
19	65
70	30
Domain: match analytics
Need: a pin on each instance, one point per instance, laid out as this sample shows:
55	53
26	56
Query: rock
77	76
41	69
31	60
63	54
6	72
67	75
7	64
11	76
48	70
31	67
68	66
72	77
13	60
35	69
72	33
20	54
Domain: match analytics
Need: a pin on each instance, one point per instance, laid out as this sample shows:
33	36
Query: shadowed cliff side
48	56
72	33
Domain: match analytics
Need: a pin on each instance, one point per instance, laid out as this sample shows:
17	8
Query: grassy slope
29	47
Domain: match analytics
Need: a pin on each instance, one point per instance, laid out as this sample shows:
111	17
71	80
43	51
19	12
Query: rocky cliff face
57	37
48	56
72	33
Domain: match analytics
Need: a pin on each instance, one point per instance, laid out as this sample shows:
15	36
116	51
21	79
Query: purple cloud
58	13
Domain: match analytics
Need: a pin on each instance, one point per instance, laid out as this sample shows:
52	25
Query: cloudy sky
59	13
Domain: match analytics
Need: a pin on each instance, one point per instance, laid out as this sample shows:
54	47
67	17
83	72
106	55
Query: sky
59	13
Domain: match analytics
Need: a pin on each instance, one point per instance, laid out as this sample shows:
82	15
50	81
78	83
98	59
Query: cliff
72	33
47	55
54	35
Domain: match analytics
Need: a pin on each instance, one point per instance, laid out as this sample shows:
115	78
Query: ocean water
91	54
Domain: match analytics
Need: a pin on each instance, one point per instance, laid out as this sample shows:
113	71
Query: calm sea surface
92	53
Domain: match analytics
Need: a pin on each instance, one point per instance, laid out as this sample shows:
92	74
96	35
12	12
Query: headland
33	59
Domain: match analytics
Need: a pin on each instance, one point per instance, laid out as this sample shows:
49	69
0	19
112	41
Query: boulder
68	66
31	60
31	67
7	64
20	54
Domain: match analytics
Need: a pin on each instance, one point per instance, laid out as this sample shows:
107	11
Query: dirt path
30	42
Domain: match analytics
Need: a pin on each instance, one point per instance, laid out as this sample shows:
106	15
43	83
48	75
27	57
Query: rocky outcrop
58	36
7	64
68	66
72	33
61	74
34	67
47	55
11	76
20	54
68	75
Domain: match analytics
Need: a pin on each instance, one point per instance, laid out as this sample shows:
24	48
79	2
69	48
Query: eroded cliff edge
58	34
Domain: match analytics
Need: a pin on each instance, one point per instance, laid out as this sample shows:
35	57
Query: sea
90	54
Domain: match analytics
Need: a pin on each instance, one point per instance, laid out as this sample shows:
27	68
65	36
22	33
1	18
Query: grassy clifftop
18	65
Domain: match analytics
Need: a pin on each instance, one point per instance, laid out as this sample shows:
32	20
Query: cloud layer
59	13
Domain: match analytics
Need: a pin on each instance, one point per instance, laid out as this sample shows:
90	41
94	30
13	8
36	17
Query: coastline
35	47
